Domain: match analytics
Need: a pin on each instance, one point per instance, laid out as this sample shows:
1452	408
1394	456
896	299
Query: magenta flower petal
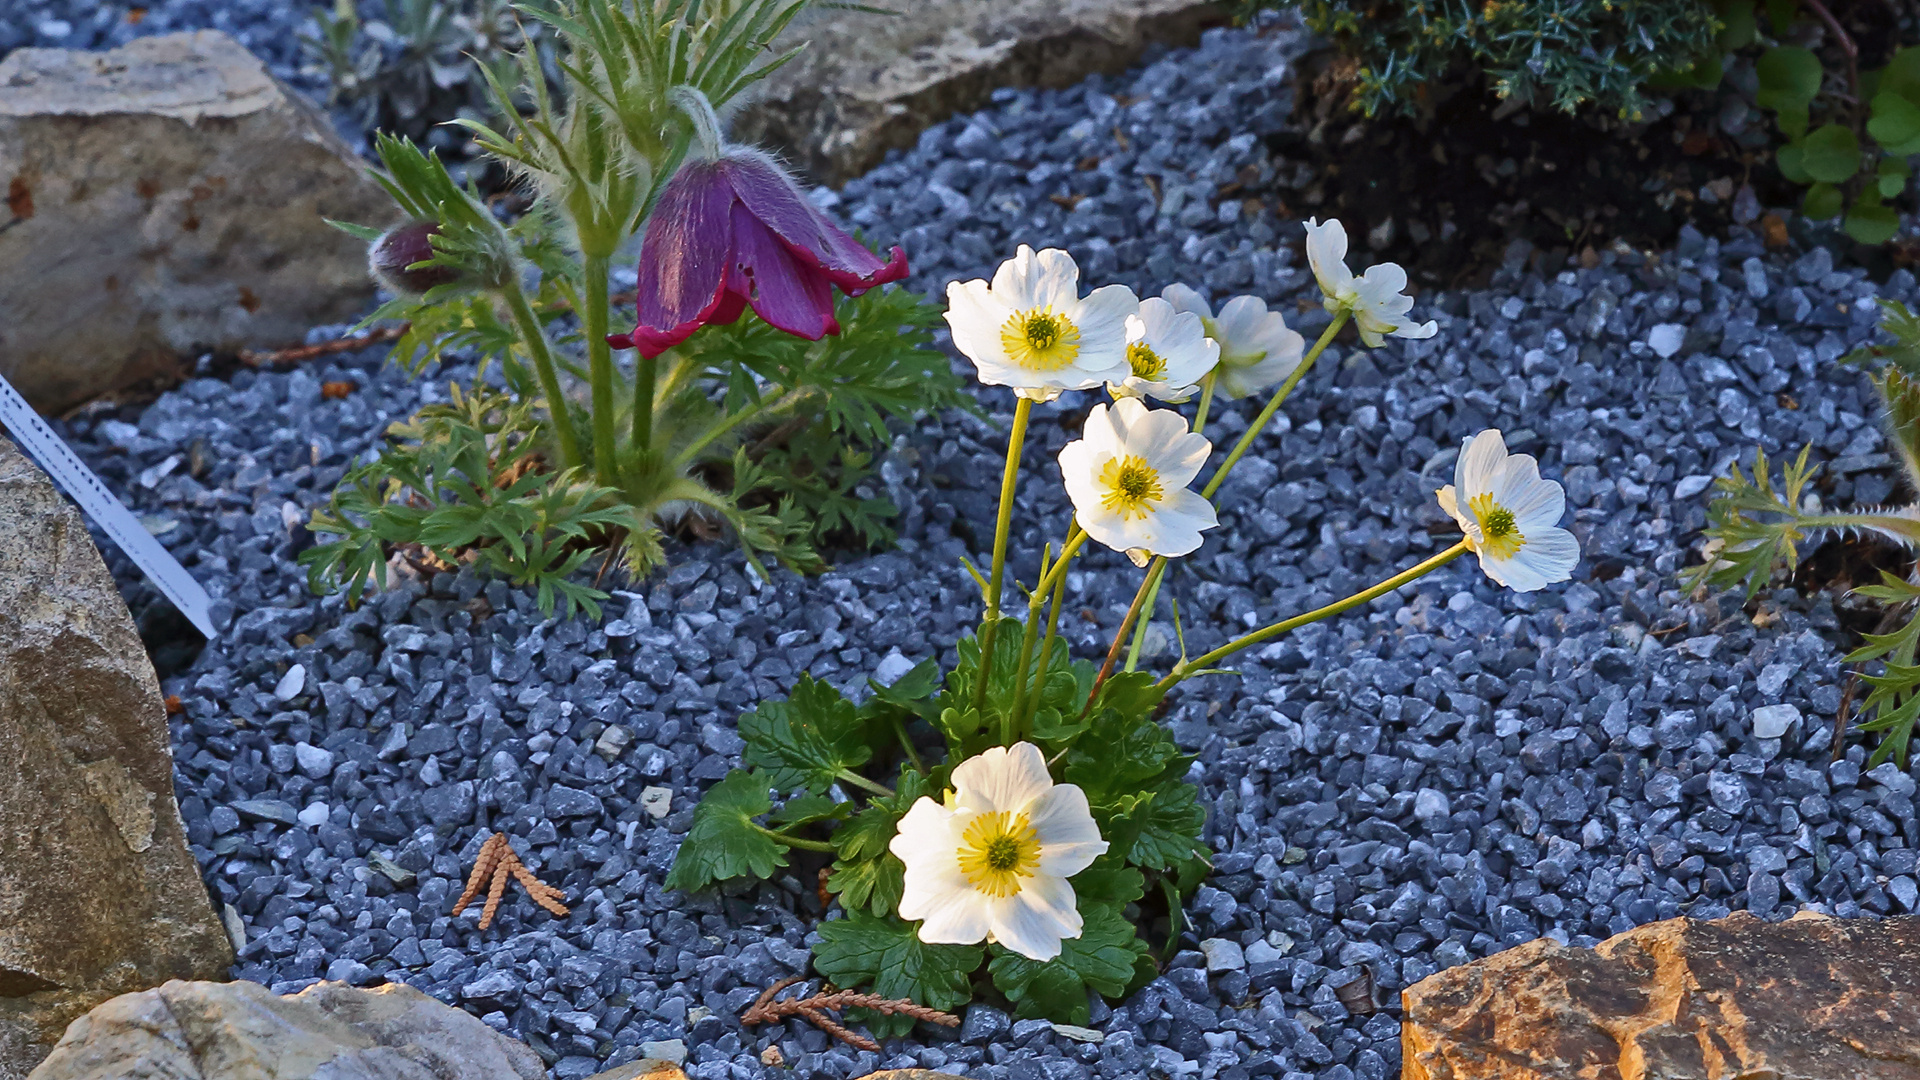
774	198
739	231
786	292
685	258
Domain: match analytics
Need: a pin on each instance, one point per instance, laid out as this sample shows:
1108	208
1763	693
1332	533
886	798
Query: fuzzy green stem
794	841
1186	667
646	373
906	744
1008	476
534	337
599	366
707	438
1273	404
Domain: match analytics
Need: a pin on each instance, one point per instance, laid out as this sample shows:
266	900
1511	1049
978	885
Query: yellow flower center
1499	535
996	851
1133	486
1146	363
1040	340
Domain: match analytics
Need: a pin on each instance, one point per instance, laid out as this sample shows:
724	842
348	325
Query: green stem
599	366
1126	623
906	744
1053	625
1009	474
534	337
646	372
794	841
854	778
1206	399
1185	667
1051	578
1140	627
1273	405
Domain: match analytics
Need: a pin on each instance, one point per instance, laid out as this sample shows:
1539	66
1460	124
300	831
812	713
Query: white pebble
657	801
1689	486
1223	955
1666	339
1772	721
315	815
892	668
673	1051
290	684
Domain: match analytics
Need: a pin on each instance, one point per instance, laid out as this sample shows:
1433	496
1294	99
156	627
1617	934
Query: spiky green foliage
1563	53
1756	529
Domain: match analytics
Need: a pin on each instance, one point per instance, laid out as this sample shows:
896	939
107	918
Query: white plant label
87	489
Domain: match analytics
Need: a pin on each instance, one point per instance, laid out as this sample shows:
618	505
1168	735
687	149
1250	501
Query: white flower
1376	299
1128	480
1257	349
1510	515
1031	329
993	862
1169	352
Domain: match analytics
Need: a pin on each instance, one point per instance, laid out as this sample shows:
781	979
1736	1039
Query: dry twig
768	1010
494	865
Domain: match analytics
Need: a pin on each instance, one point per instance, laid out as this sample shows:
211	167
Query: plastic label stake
87	489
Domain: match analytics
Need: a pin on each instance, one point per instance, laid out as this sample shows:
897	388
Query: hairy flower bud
391	257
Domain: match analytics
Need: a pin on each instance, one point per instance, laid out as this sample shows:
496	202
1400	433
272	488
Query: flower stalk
1009	476
534	336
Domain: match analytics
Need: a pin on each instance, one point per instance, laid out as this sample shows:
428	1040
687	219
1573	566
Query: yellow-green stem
534	336
646	373
1051	578
1186	667
1140	626
1053	627
1206	399
599	366
1273	405
1009	475
794	841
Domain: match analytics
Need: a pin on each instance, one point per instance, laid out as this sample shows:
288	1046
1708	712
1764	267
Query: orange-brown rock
1812	998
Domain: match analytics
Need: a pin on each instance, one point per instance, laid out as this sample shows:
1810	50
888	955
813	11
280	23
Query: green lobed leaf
722	842
1789	77
807	740
1823	201
1895	120
866	875
1101	959
887	955
1831	155
1872	223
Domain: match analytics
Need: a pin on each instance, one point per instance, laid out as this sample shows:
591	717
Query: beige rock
869	83
165	199
1812	998
98	894
242	1031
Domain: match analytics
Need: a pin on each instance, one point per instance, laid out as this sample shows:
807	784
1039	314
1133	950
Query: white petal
1014	281
1327	253
1382	285
1451	505
1479	460
925	827
1056	283
1033	921
1411	329
1171	450
1549	555
957	918
976	317
1534	502
1187	298
1080	466
1069	839
1001	779
1102	319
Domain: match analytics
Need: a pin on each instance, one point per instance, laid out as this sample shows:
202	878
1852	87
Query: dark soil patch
1445	194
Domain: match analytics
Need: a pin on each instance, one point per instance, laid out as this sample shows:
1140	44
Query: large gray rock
867	83
165	199
98	894
243	1031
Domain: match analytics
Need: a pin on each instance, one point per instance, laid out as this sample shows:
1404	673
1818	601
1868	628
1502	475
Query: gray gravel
1457	770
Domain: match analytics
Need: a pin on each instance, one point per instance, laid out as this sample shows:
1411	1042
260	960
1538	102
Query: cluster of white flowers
992	862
